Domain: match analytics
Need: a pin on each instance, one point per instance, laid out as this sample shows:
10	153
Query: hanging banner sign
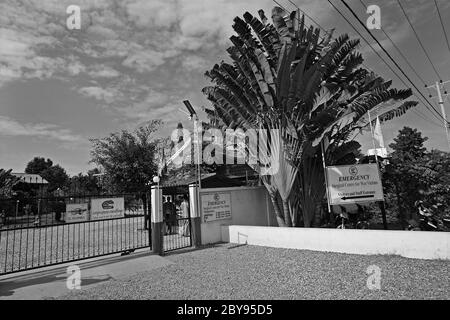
354	183
216	206
76	212
107	208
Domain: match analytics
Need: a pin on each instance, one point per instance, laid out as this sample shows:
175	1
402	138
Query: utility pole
438	86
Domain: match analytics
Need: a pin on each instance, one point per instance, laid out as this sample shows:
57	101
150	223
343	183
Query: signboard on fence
216	206
107	208
354	183
76	212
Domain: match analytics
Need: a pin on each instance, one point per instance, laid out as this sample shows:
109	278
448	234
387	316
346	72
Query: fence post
195	216
157	220
147	218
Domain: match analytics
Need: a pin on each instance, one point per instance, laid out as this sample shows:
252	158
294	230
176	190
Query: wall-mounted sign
216	206
354	183
76	212
107	208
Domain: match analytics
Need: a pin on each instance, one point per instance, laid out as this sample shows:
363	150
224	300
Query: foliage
85	183
438	175
7	182
37	165
415	174
285	76
54	174
127	158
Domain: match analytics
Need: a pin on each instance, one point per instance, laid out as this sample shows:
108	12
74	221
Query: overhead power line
314	21
373	49
418	39
416	111
442	24
310	18
387	53
398	50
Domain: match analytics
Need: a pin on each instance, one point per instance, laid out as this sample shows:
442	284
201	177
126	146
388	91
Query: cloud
99	93
98	32
103	71
124	47
155	13
155	100
144	61
11	127
195	63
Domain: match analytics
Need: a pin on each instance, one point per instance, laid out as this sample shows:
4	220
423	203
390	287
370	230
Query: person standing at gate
169	211
184	228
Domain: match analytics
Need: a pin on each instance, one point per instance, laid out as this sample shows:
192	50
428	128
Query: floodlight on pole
193	116
190	108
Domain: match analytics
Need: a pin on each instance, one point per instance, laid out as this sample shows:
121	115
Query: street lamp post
156	180
196	218
193	116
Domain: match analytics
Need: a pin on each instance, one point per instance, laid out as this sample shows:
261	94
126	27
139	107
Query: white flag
377	134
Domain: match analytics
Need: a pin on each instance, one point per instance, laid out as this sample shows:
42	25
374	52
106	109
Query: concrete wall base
410	244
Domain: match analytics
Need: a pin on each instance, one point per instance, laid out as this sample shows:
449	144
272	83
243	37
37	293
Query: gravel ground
251	272
39	246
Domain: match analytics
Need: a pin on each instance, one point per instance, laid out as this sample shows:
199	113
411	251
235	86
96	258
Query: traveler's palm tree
7	182
285	76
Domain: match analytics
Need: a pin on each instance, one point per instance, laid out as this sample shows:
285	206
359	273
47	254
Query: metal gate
179	235
34	233
177	232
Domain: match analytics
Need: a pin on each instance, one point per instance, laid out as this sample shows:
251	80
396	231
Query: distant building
381	152
30	182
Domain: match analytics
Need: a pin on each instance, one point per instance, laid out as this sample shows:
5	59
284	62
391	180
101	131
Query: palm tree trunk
276	208
287	214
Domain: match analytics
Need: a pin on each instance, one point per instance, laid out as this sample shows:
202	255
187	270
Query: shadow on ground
9	287
58	276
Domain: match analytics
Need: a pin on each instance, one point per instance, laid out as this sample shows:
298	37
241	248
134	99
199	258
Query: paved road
52	282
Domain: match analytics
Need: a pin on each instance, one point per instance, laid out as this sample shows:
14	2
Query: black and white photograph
216	157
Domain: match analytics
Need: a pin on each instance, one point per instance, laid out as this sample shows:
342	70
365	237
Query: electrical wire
421	115
398	50
316	23
418	39
442	24
363	38
387	53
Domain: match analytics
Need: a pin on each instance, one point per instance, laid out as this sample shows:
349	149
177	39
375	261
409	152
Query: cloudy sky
136	60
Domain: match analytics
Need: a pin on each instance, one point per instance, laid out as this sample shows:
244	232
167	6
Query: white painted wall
410	244
250	206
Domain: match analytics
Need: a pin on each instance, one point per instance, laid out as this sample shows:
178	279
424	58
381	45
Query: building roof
184	179
209	180
30	178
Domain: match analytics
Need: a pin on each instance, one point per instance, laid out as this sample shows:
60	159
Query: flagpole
326	176
380	203
373	140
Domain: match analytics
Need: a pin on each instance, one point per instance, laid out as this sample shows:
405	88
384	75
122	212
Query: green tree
54	174
285	76
7	182
127	158
37	165
437	174
407	175
408	145
85	183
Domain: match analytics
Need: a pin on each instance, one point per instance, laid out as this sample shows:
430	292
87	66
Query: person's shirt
185	209
167	208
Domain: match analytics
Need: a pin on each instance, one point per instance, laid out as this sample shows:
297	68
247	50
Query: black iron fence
177	234
37	232
41	211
